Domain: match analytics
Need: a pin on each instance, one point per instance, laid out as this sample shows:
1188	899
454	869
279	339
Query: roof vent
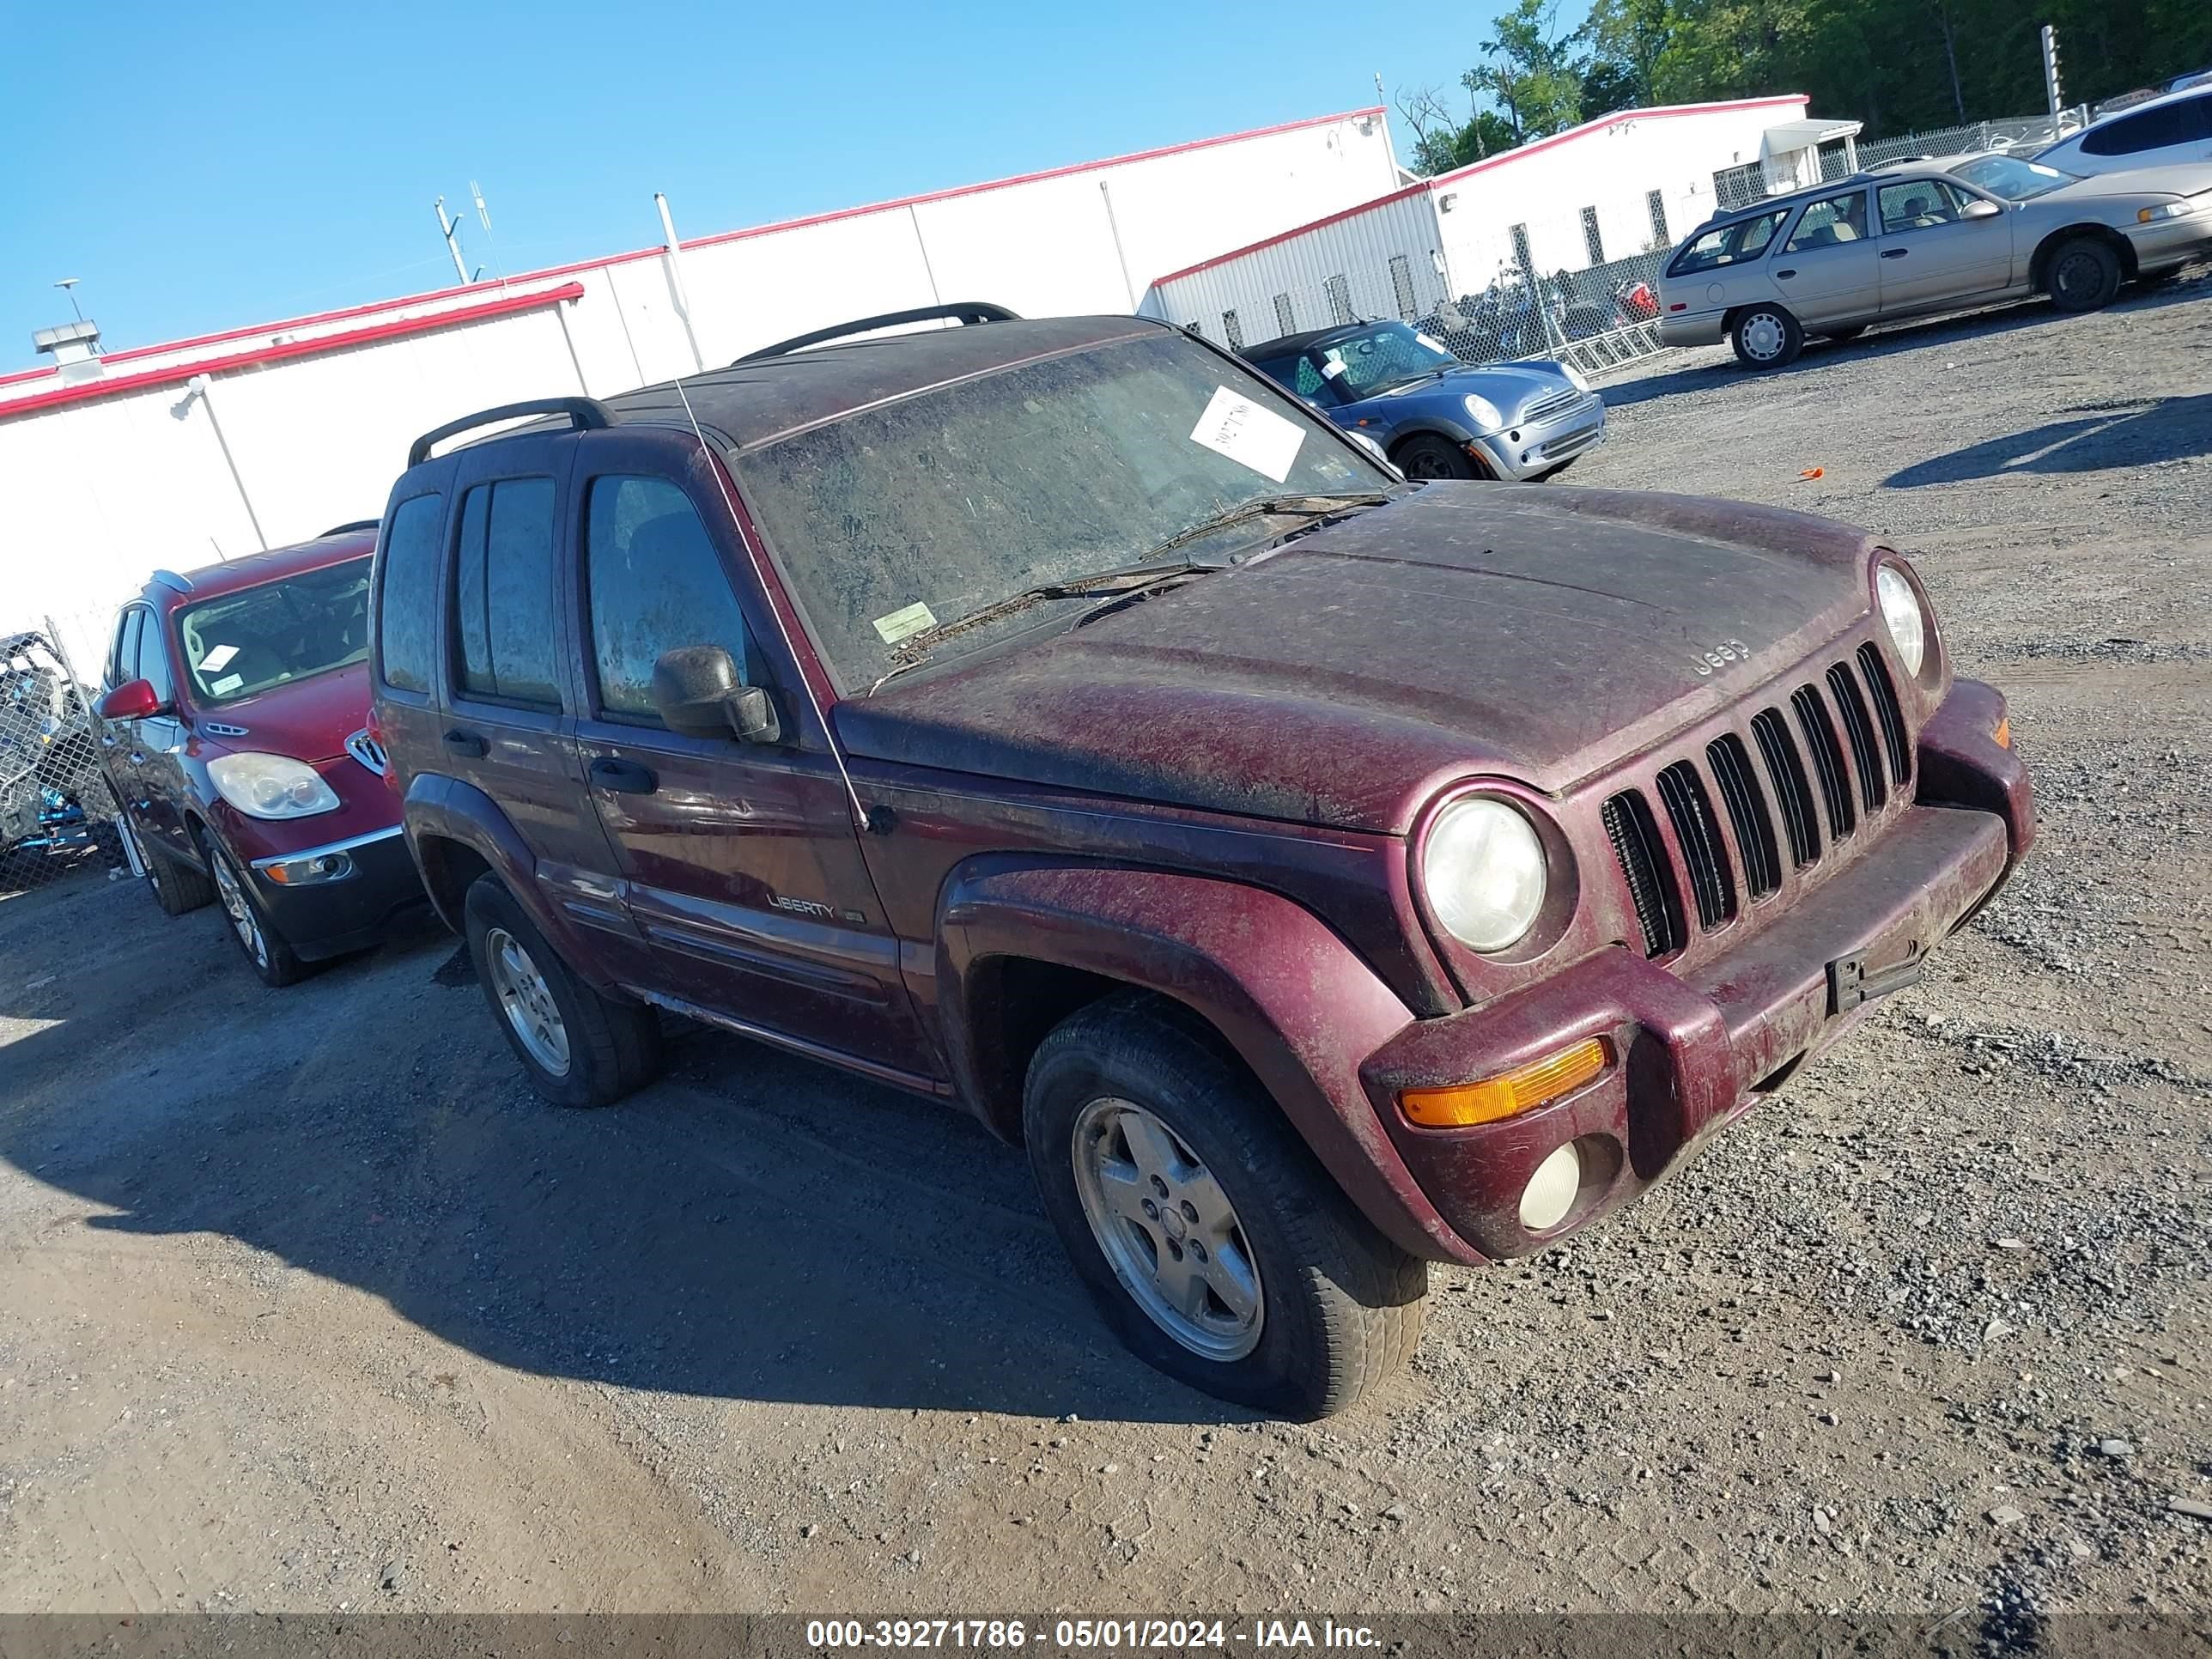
75	348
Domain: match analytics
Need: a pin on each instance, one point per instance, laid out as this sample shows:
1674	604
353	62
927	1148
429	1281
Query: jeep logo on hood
1727	650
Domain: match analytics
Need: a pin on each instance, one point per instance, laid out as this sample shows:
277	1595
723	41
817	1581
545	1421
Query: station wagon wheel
1251	1276
271	958
578	1045
2084	275
1766	337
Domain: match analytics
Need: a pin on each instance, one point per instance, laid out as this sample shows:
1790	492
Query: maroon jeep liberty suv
1320	874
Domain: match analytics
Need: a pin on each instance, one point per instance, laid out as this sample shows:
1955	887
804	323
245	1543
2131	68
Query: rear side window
656	584
407	596
1831	221
503	617
1728	245
2183	122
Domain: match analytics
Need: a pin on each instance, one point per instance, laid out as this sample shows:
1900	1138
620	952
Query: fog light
1551	1191
307	871
1521	1089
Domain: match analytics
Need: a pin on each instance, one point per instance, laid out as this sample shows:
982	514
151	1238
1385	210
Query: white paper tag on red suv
904	624
1233	425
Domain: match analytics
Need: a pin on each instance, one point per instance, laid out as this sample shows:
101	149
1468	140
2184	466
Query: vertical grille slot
1827	756
1888	712
1792	793
1691	812
1634	837
1746	809
1874	786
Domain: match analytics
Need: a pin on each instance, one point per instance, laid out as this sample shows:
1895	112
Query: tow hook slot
1851	982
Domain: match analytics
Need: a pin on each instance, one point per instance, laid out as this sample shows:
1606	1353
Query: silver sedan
1944	235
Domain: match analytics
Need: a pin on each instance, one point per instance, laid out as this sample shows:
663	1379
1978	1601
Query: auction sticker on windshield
903	624
1233	425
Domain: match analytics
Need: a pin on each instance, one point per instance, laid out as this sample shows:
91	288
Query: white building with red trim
1631	183
177	454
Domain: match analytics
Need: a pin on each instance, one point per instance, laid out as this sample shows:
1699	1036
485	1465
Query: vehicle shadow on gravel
757	1226
1888	340
2139	432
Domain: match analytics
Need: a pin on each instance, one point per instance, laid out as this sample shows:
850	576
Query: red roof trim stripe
574	266
1798	98
175	374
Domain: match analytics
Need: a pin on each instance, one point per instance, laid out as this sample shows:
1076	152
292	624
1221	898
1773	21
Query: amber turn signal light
1522	1089
2002	736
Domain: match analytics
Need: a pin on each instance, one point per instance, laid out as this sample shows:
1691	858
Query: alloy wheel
527	1001
243	921
1168	1229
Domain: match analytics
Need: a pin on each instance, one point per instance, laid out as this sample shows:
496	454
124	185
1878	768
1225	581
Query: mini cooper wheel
1210	1238
577	1046
1427	456
271	957
2084	275
1766	337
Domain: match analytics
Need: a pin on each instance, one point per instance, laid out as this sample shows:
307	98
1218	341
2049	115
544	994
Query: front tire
1427	456
577	1046
1210	1238
2084	275
176	889
1766	337
271	958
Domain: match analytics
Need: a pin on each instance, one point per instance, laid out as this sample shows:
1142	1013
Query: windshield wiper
1117	584
1270	506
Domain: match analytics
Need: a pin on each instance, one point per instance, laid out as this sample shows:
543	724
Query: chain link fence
1739	186
59	817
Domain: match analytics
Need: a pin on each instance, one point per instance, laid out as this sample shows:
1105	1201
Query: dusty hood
1538	634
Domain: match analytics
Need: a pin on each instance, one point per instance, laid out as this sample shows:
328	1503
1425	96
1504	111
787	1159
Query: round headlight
1483	413
1902	614
1483	871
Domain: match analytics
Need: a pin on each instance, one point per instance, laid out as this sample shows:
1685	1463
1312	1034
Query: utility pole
2050	70
450	230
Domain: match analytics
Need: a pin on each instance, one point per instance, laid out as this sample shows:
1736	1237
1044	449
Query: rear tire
2083	275
1334	1307
1425	455
1766	337
577	1046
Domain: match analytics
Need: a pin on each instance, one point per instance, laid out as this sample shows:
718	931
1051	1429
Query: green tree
1534	70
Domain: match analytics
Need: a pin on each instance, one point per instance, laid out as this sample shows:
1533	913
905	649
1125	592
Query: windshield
1728	245
1387	355
2011	177
915	515
258	637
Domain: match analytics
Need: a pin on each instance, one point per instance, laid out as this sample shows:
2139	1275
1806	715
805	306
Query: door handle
623	777
467	743
1895	252
1784	274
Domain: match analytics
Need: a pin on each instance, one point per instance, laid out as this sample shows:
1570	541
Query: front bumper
1521	452
351	912
1691	1052
2166	243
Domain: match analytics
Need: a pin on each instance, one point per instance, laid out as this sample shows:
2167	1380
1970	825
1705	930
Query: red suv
236	703
1320	874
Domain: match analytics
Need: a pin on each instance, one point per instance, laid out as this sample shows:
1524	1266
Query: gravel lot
308	1305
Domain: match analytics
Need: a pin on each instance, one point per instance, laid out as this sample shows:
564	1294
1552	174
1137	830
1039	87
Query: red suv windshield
260	637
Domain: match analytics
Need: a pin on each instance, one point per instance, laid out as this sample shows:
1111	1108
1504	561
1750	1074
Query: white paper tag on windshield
226	685
213	662
1233	425
904	624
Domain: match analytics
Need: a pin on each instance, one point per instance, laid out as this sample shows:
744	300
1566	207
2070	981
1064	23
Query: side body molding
1289	996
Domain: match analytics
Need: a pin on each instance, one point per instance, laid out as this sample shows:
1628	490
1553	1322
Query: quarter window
406	601
1829	221
503	591
656	584
1728	245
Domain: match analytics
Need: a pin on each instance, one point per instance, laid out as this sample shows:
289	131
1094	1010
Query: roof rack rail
348	527
170	578
967	311
584	414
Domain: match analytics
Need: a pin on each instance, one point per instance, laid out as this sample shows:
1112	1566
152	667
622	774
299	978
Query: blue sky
201	168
